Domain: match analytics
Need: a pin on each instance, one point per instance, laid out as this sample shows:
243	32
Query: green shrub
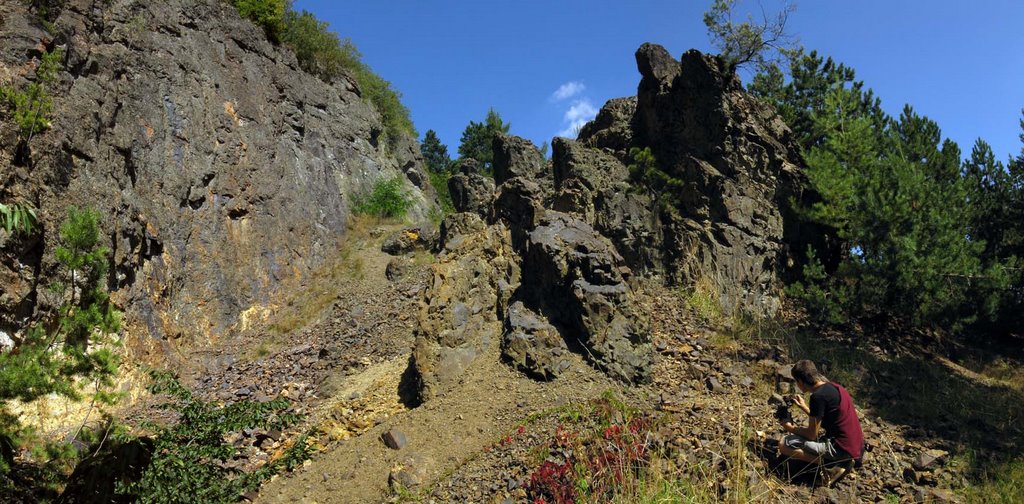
190	457
387	199
31	107
267	14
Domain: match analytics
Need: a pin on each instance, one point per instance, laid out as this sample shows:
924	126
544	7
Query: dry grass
321	288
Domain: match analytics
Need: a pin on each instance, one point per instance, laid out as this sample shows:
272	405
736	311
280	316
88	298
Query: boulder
406	240
581	283
516	157
471	192
533	345
472	281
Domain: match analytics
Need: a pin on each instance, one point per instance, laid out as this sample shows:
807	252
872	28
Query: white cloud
581	112
568	90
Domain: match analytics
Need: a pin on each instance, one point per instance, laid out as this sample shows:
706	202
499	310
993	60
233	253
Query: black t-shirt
825	405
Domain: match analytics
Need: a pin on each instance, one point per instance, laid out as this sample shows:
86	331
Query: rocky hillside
222	170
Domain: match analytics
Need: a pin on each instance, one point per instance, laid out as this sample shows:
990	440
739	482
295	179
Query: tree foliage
761	43
75	346
895	195
435	153
478	138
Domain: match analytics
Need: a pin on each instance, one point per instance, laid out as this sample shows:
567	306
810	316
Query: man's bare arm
808	432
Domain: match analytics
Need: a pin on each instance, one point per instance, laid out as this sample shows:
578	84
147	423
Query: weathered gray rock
737	163
532	344
221	168
515	157
394	439
736	158
473	279
581	283
519	204
471	192
456	227
596	186
613	127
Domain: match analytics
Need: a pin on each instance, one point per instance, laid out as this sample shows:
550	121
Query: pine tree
61	355
478	137
435	153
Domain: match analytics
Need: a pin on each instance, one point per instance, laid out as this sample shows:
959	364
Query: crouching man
832	436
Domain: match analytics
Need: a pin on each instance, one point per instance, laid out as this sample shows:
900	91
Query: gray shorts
824	448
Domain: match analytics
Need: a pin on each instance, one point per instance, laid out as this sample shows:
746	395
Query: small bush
387	200
190	458
267	14
31	107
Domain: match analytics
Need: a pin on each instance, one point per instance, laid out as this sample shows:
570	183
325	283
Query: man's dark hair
806	372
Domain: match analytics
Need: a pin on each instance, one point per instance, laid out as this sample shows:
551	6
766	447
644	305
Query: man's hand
798	400
788	426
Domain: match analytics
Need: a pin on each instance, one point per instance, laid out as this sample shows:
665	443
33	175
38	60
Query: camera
782	413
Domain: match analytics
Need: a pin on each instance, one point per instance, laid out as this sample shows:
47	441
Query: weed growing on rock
18	217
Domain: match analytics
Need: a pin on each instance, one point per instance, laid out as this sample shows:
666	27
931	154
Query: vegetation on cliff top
322	53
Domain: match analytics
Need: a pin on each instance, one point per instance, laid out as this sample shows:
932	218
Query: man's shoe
834	474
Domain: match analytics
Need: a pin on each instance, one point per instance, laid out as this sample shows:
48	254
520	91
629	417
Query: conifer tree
61	355
435	153
478	136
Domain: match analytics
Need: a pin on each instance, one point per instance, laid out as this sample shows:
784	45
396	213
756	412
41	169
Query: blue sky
547	65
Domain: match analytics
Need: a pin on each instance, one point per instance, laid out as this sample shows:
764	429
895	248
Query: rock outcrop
576	278
222	169
737	163
583	226
460	320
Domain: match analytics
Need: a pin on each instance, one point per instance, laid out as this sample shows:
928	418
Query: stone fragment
394	439
714	385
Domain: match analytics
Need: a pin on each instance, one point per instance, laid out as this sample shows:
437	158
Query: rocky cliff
222	170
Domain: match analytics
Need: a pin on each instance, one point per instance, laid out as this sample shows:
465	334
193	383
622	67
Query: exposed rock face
222	170
532	344
470	190
459	321
581	283
516	157
739	166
